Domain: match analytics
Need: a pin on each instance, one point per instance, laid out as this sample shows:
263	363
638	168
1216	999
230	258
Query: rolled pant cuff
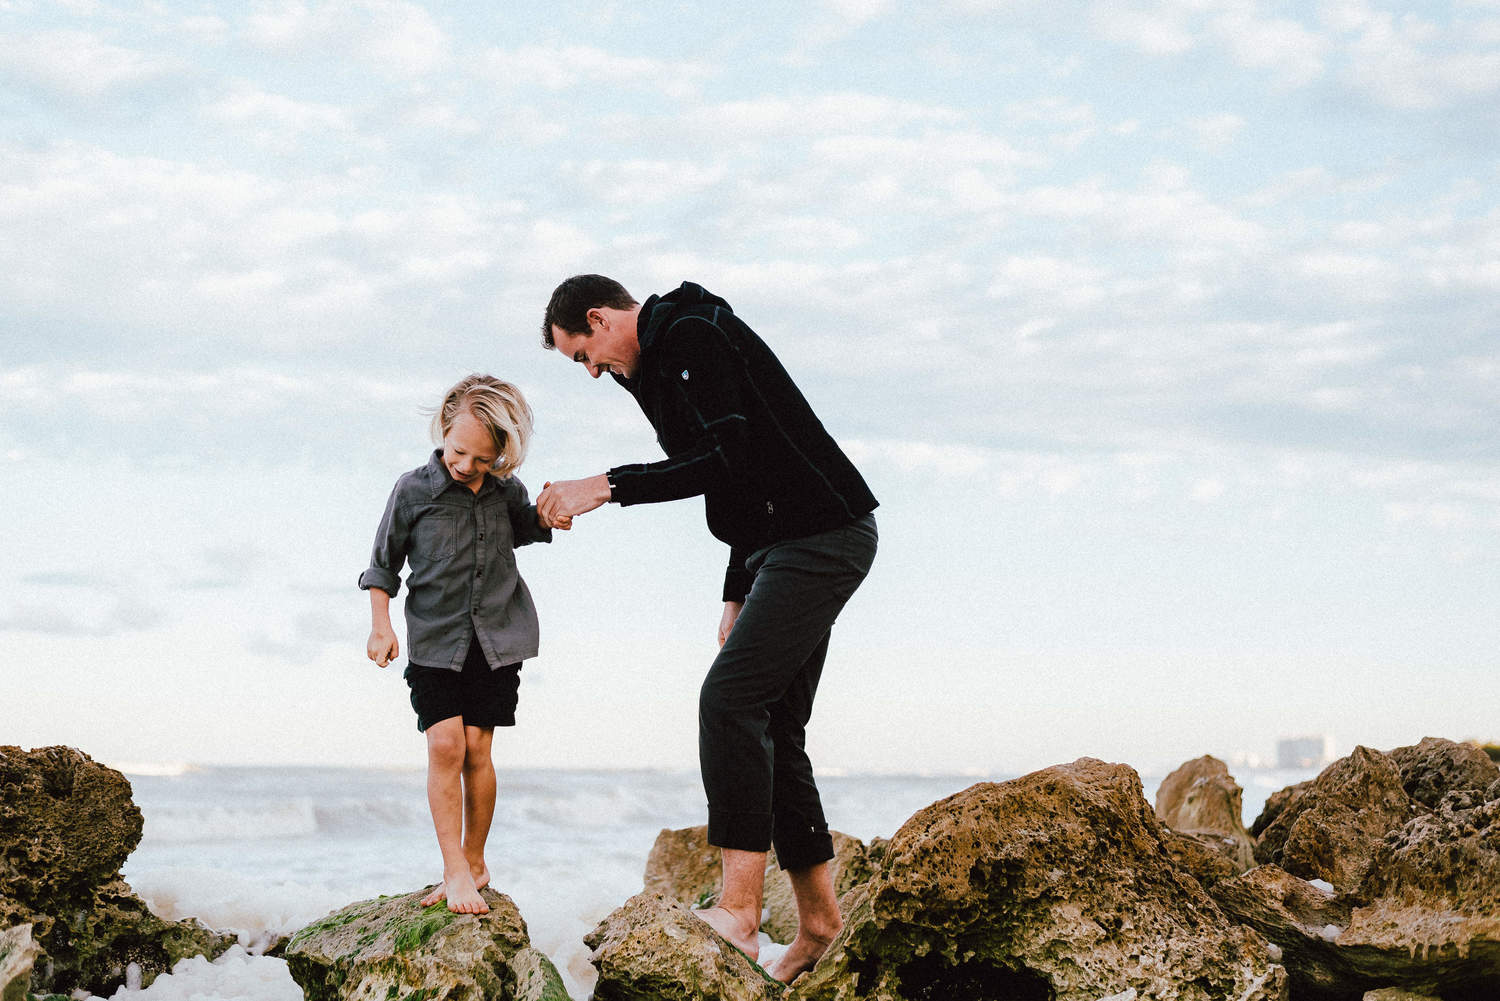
804	850
747	832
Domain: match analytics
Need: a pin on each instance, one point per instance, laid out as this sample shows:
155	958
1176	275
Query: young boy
470	620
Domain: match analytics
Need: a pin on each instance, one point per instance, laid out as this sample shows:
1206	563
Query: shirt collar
439	479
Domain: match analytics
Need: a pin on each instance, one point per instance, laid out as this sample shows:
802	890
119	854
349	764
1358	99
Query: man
797	517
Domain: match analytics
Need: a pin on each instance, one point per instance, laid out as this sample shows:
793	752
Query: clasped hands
559	501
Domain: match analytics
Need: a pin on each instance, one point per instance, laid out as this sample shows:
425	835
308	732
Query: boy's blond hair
497	405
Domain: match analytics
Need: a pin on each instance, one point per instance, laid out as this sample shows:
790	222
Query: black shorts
482	696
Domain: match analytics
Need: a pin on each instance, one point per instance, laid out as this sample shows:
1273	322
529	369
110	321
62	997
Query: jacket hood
657	311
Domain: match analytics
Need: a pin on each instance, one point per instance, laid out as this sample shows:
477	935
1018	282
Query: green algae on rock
393	949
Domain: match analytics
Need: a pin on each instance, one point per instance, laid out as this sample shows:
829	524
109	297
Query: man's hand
727	620
563	524
567	498
382	647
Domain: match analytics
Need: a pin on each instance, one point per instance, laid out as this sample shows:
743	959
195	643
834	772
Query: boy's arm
382	646
526	524
382	579
392	542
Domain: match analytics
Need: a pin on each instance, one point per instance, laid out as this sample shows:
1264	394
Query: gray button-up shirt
463	581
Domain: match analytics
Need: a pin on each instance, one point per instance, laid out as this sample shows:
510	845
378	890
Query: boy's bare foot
460	892
738	931
481	875
802	955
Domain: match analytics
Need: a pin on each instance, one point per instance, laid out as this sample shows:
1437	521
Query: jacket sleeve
392	543
524	528
736	576
708	379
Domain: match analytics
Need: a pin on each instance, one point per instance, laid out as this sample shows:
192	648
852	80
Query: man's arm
707	375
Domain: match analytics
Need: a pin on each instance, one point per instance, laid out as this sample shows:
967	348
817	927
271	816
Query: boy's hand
565	498
564	522
382	647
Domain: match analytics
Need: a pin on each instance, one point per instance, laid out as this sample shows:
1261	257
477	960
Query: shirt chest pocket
435	536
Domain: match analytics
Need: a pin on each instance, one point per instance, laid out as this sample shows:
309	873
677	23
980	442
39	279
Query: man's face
610	345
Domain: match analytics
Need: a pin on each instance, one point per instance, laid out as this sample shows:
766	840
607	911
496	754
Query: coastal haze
1164	334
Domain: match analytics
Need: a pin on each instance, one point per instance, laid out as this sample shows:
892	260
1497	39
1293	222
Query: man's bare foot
460	892
802	955
735	929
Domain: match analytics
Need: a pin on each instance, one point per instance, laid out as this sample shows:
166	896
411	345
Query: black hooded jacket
735	429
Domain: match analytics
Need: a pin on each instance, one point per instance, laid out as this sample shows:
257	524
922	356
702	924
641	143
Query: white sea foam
234	976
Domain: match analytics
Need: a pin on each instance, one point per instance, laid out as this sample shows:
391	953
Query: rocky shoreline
1379	879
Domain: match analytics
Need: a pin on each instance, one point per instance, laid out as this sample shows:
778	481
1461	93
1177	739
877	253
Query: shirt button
770	508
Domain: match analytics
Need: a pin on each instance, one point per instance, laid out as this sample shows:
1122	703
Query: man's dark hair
571	301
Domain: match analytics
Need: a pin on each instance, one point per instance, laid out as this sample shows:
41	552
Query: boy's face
468	451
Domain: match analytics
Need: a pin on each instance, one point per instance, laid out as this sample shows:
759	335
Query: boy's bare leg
479	799
818	921
446	750
737	916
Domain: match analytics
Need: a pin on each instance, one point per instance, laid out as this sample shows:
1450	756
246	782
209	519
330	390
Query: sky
1164	332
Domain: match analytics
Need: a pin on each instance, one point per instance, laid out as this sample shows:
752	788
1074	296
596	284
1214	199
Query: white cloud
79	64
857	12
642	181
1058	282
280	114
1294	54
1215	132
390	35
821	115
1159	30
1411	63
565	67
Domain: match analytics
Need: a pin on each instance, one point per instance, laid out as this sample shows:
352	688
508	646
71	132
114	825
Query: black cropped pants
757	698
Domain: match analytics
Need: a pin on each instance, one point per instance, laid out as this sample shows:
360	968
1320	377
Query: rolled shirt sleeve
392	542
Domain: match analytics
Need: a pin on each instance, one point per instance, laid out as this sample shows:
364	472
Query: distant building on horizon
1304	752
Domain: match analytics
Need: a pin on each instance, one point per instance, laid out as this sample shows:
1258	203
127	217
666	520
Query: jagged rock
1303	921
1396	994
393	949
1433	768
1432	901
1330	829
1202	800
67	825
684	867
1054	885
654	949
17	954
1275	803
1424	918
1205	863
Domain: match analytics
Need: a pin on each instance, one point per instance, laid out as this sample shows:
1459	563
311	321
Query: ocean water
263	851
